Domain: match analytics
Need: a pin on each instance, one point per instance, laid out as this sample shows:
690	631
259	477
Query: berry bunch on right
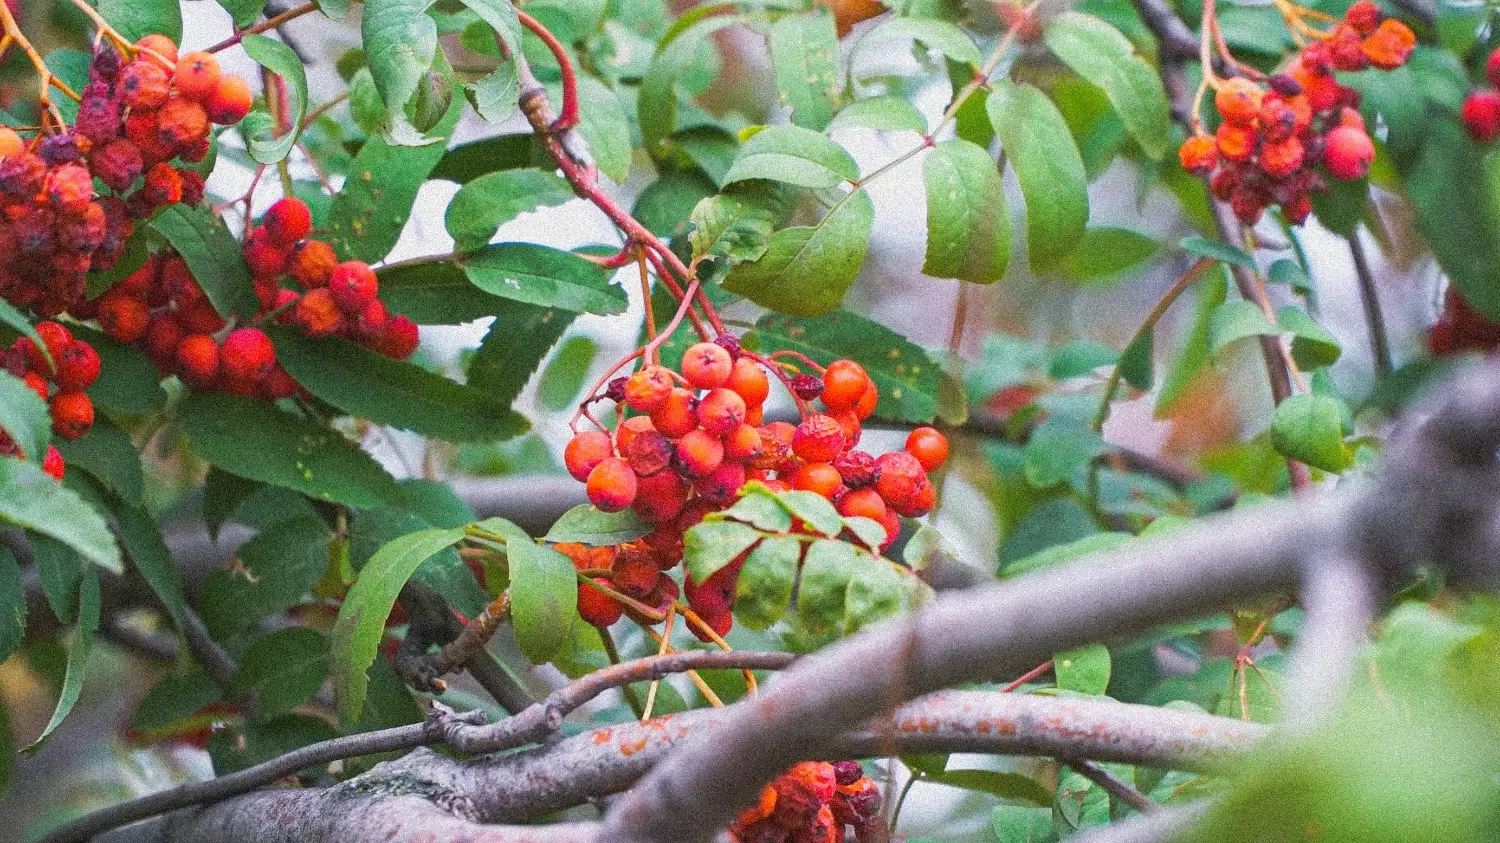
812	803
1274	132
1481	109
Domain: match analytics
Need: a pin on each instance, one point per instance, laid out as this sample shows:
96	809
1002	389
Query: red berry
750	381
892	524
699	453
372	321
929	446
1492	67
399	339
247	355
117	164
819	438
197	75
163	334
1481	114
596	607
72	414
844	382
722	484
144	84
353	285
312	263
123	317
54	336
317	315
721	410
230	101
1347	152
198	359
585	451
660	497
266	259
201	318
1364	16
900	474
287	221
53	463
634	573
161	45
706	365
163	186
181	122
862	503
77	366
38	384
612	485
818	477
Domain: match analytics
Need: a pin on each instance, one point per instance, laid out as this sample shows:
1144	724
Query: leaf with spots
908	378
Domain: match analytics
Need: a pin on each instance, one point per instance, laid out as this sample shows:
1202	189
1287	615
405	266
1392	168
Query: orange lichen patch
602	736
632	747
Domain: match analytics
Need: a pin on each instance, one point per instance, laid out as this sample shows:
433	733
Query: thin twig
1113	784
1369	296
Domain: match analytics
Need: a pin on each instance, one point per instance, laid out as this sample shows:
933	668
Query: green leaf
886	113
256	440
72	67
1457	196
906	376
24	415
222	495
108	455
135	19
1308	428
213	255
468	161
585	524
59	569
128	381
12	605
244	12
369	385
602	124
375	201
1019	824
284	668
563	380
827	568
1289	272
247	743
17	320
481	206
968	220
1194	351
361	620
534	274
1136	359
1039	147
1236	320
814	510
1080	357
151	558
875	593
1004	785
731	226
78	657
1058	448
656	106
760	508
437	292
1312	347
806	269
1217	250
34	501
933	33
764	588
543	597
1084	669
281	60
1101	54
276	569
515	345
1106	253
501	16
400	43
711	545
793	155
805	64
497	95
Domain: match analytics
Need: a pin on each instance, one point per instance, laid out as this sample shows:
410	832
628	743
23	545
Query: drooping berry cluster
1273	135
695	443
60	375
1481	109
136	117
1461	328
162	309
813	802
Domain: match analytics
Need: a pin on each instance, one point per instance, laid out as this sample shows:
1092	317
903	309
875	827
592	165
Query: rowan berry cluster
1461	328
134	120
1481	108
1273	134
59	375
697	438
812	803
163	310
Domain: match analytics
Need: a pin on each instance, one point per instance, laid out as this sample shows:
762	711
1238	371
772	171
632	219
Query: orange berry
198	359
706	365
585	451
144	85
699	453
612	485
721	410
892	524
648	389
1199	154
776	446
1390	45
72	414
844	382
197	75
867	402
1281	158
862	503
1238	101
123	317
312	263
750	381
849	423
819	438
678	414
10	142
162	46
230	101
743	444
660	497
898	475
181	122
317	315
634	573
818	477
1236	143
929	446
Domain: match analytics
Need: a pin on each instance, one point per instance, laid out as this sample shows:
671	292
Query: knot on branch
407	776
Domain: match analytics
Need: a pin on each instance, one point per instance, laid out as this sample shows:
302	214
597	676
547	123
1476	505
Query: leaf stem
1369	296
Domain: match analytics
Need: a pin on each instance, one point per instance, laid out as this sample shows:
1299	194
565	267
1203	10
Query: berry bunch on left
136	117
812	803
60	375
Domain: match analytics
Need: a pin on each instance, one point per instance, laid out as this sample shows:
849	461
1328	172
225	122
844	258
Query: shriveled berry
1347	152
630	428
288	220
197	75
807	387
678	414
648	389
634	573
117	163
230	101
900	474
163	185
70	188
722	484
123	317
721	411
181	122
649	452
60	149
247	355
586	450
857	468
706	365
352	285
72	414
819	438
776	446
317	315
77	366
699	453
611	485
312	263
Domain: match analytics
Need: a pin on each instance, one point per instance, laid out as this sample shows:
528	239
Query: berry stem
105	29
803	408
698	623
267	24
693	675
1028	676
568	117
46	81
1380	345
640	259
663	646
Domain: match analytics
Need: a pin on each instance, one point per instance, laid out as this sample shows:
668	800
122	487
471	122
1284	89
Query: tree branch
1114	785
